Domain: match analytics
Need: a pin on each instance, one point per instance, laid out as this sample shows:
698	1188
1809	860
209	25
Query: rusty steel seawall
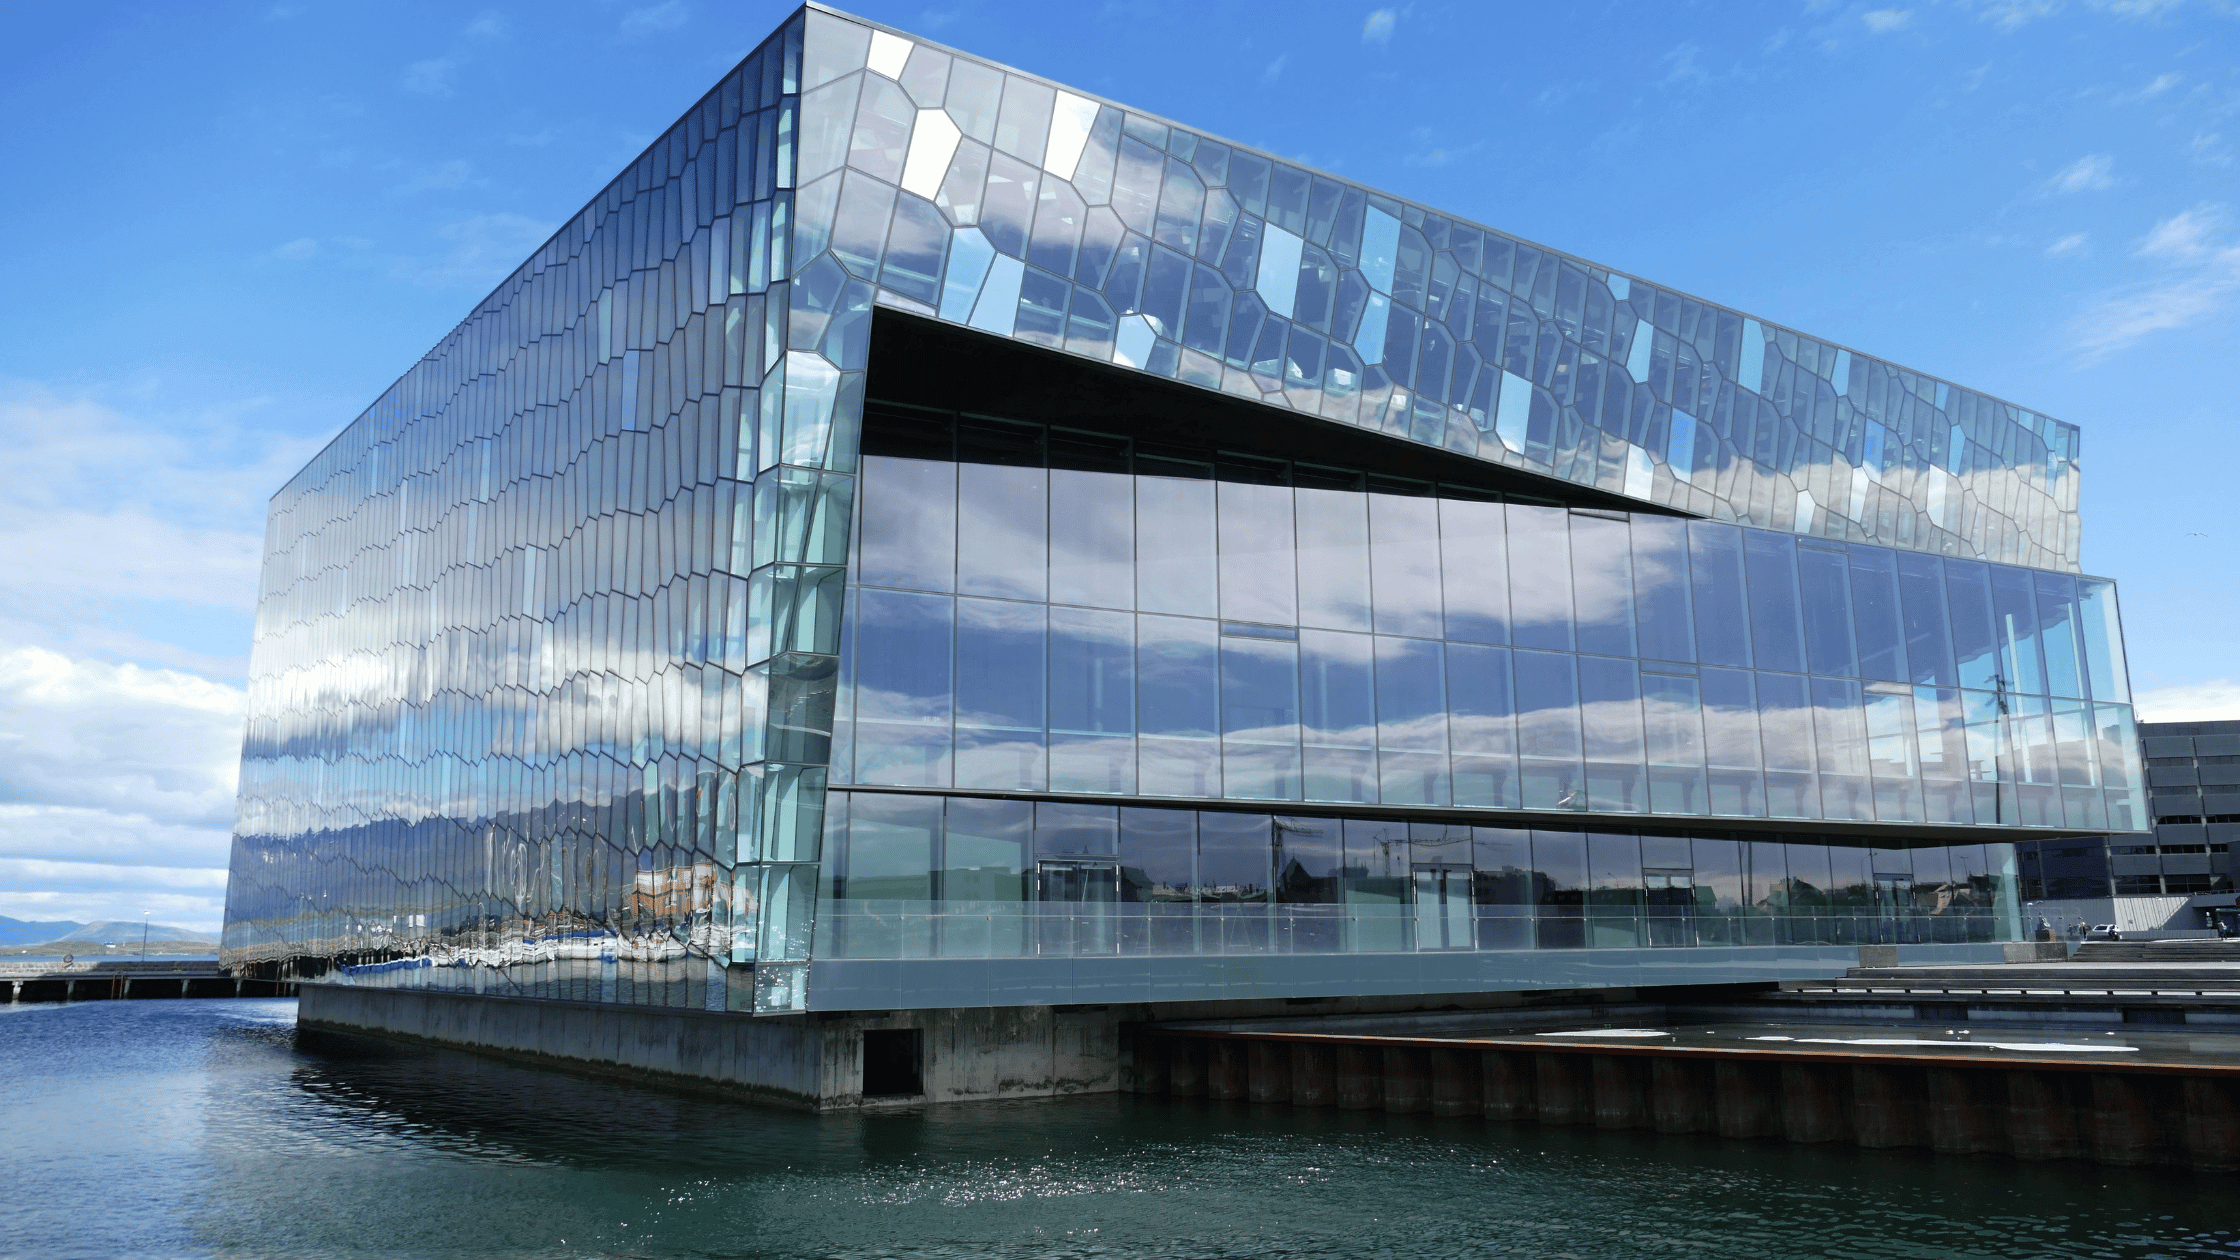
2145	1113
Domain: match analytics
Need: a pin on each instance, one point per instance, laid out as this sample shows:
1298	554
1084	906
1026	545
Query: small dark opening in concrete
1949	1012
2153	1015
893	1062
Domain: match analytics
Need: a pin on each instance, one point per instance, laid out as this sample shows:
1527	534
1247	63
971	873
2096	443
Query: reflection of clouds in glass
879	704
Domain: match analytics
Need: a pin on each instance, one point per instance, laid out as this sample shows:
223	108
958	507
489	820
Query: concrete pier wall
2142	1115
810	1061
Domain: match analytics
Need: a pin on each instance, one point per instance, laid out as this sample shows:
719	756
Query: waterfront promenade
72	979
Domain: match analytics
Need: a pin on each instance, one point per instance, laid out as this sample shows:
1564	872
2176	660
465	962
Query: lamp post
144	934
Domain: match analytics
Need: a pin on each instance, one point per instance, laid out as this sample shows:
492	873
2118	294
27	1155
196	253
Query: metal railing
933	929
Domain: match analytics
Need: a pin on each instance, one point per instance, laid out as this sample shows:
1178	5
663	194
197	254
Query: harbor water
211	1128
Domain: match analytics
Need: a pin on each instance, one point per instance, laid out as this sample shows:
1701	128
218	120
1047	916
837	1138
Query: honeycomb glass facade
918	511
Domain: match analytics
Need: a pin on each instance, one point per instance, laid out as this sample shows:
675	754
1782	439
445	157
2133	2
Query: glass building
2182	870
927	536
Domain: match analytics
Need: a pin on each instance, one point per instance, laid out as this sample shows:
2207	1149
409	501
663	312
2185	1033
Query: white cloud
116	789
2069	244
2217	700
297	250
1884	21
656	18
1377	28
2185	236
2202	273
2090	172
123	739
2208	148
112	515
1274	70
489	24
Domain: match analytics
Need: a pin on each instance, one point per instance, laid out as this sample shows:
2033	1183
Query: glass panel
1775	631
1876	613
986	855
1337	709
1257	554
1473	558
1092	539
2057	601
1660	582
909	523
1721	597
1602	584
1540	576
1333	558
1309	854
1175	563
1928	648
1158	880
1404	559
1559	861
1376	887
1002	540
1260	718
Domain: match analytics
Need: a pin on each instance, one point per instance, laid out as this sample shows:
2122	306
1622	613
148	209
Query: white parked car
2103	932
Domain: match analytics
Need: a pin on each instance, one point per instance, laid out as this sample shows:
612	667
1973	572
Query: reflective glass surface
1077	224
1088	619
560	643
927	876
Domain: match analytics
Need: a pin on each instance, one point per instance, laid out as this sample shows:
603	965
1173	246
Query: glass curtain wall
910	875
544	667
1082	617
933	182
549	638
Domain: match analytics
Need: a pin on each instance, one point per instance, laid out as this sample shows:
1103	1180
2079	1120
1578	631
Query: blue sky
233	225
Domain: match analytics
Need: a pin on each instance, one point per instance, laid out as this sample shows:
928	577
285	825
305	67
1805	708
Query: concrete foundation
813	1062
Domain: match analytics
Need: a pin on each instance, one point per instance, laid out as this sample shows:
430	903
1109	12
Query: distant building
2168	880
931	549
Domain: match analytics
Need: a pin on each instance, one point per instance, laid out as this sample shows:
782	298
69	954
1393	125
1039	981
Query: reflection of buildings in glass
920	513
2171	879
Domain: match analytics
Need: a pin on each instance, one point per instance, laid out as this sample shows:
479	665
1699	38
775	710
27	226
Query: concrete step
2159	951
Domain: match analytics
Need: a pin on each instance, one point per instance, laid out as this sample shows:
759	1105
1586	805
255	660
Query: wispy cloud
297	250
656	18
2013	15
1681	65
2137	8
1884	21
2216	700
435	76
479	251
2208	148
2069	244
2201	273
1376	29
1427	151
2088	173
2160	84
1274	70
442	177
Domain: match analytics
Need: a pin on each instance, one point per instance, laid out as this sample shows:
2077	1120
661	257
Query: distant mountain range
37	932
